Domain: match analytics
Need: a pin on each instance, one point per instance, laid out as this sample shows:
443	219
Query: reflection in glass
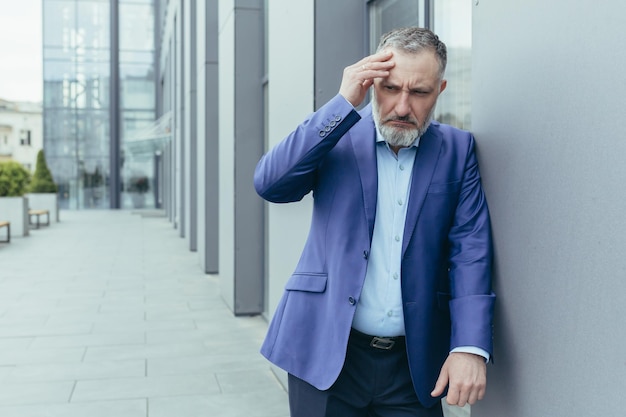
76	99
138	102
453	24
77	102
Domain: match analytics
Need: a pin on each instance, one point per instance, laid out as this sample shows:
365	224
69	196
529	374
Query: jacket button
322	133
352	301
366	254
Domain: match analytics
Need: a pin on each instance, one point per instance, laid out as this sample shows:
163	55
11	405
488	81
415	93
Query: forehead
414	69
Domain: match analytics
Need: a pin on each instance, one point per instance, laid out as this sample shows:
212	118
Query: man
390	305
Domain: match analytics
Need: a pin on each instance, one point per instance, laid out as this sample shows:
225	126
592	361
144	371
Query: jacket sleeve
470	262
287	172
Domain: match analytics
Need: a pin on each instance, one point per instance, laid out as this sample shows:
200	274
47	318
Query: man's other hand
465	374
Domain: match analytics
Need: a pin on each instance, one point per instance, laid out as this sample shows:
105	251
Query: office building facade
21	136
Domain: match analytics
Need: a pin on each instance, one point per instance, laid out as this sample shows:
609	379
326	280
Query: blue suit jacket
446	257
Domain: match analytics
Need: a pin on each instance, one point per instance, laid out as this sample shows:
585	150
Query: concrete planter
45	201
15	210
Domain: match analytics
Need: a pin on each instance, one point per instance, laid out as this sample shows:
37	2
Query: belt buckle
383	343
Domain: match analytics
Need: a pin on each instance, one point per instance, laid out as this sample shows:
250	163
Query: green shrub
14	179
42	180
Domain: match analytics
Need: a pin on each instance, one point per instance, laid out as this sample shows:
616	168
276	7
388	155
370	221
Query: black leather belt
377	342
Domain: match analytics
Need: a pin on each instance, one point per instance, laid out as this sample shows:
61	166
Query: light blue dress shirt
379	310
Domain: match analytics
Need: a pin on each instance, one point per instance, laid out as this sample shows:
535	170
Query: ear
444	84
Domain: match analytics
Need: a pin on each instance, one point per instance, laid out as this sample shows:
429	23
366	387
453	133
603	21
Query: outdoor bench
38	213
4	223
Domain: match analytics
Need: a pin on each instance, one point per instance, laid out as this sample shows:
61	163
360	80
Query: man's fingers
465	375
441	383
359	77
473	397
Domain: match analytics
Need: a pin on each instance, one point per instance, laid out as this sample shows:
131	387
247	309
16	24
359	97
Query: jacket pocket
444	188
309	282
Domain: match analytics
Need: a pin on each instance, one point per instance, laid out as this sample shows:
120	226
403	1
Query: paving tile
103	339
5	371
269	403
16	342
126	317
145	351
33	356
35	393
44	330
121	408
249	381
206	364
77	371
144	326
177	336
146	387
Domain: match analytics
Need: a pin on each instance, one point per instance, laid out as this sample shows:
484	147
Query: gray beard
399	137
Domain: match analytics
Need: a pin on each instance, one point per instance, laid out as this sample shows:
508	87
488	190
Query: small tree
42	180
14	179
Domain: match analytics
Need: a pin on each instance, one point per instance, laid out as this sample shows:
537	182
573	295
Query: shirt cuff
472	349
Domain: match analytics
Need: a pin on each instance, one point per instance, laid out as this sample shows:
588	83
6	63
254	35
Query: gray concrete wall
340	40
548	105
208	132
191	127
241	144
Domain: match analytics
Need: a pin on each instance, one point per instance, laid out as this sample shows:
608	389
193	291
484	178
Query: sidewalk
107	314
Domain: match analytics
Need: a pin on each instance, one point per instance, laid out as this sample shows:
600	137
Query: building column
241	144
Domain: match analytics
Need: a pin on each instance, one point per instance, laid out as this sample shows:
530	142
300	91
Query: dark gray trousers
373	383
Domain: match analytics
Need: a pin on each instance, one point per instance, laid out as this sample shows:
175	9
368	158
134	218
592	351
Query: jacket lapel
362	136
423	169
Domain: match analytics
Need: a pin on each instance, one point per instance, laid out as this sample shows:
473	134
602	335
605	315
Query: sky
21	76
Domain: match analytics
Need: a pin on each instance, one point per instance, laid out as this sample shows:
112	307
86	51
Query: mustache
406	119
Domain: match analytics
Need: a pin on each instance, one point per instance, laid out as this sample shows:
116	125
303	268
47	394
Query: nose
403	107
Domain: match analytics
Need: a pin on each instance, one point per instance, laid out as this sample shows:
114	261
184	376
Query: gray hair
414	40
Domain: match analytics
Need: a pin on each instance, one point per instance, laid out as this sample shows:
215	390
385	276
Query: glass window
453	24
136	27
138	102
93	24
386	15
76	99
25	137
77	83
58	22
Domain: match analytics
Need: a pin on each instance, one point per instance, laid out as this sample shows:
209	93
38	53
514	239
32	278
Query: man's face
404	103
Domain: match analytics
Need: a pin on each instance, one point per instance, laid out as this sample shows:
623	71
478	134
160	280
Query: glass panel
59	18
453	24
136	27
140	57
93	23
386	15
76	100
57	53
138	101
137	87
